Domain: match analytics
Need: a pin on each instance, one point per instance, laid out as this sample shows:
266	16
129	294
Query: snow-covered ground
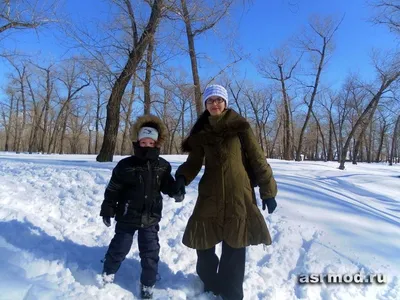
327	221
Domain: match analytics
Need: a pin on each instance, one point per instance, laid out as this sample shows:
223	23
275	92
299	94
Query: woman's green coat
226	208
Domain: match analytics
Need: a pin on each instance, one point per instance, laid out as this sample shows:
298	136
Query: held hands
180	189
107	221
179	198
270	203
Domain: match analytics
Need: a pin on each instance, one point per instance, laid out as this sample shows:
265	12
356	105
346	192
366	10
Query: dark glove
180	186
179	198
270	203
107	221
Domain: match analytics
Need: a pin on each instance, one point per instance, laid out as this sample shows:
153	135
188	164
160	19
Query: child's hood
151	121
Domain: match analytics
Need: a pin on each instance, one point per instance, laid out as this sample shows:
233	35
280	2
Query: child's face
147	142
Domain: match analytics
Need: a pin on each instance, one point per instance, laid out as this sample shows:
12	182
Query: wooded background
86	102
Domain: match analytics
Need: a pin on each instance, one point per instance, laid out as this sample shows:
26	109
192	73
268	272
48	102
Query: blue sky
259	28
266	25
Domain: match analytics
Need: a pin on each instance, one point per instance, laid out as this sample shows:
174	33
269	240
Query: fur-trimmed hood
150	121
202	132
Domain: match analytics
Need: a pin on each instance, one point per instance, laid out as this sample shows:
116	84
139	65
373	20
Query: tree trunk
322	136
375	100
330	141
172	139
125	136
8	128
286	120
36	120
97	123
22	129
394	141
58	124
113	113
7	133
52	136
314	154
90	142
193	59
114	102
357	144
264	132
340	142
16	129
258	125
49	87
147	81
64	128
271	154
293	148
183	120
19	129
164	119
310	106
369	144
364	127
381	140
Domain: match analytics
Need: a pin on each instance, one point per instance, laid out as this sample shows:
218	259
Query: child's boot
146	292
107	279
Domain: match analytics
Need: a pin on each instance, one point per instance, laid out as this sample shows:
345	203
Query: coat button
142	225
145	197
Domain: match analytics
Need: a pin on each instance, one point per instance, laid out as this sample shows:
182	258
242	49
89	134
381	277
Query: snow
327	221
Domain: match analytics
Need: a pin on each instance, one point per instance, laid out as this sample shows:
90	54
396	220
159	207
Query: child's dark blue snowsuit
133	197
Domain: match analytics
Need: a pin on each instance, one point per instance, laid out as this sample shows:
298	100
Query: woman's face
215	105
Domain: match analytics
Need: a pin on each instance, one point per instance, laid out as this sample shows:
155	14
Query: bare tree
320	49
101	88
384	125
135	55
317	122
363	130
279	68
387	13
25	14
396	131
260	101
147	81
8	120
328	103
77	121
35	119
199	19
127	110
20	80
236	90
74	80
48	89
177	101
349	98
388	74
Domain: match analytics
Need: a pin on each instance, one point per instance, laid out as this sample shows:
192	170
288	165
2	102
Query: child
133	197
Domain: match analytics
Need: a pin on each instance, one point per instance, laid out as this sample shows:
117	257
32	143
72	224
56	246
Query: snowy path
328	221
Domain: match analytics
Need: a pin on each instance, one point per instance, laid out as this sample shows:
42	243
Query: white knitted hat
148	132
216	90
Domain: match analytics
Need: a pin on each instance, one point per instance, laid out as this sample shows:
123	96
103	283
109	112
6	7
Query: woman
226	209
